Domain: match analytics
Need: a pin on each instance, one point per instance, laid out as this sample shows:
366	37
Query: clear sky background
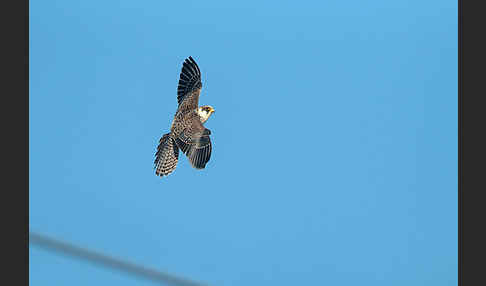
334	140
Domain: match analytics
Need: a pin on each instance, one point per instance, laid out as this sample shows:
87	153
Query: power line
109	261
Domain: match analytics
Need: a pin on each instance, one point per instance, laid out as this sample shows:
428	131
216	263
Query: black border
472	144
14	120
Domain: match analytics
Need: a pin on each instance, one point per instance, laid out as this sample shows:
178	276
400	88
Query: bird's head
204	112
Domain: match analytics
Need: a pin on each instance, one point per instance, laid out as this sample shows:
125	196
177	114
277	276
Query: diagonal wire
108	261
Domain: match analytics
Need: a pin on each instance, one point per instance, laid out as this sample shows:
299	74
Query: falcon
187	131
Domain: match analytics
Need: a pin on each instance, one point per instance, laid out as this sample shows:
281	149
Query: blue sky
334	140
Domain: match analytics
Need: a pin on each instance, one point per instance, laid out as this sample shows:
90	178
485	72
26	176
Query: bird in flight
187	132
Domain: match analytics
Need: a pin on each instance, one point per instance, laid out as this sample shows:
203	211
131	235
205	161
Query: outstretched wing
189	86
194	141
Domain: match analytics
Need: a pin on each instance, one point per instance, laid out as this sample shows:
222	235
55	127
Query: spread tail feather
167	156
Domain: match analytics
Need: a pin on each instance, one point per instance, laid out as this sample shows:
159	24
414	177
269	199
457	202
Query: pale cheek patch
203	115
